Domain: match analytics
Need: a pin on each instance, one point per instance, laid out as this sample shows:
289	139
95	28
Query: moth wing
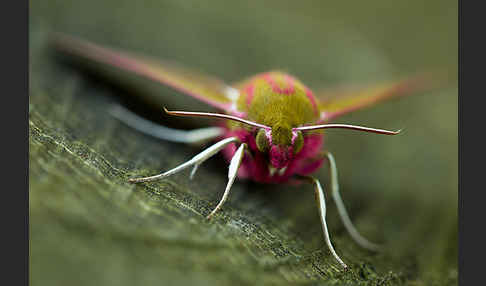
335	102
208	89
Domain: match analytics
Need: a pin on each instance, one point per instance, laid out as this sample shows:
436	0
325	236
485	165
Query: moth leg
363	242
195	161
232	173
162	132
321	204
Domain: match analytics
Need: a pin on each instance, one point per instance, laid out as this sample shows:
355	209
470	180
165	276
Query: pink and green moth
271	127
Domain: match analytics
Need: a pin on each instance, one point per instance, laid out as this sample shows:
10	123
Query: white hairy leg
321	204
358	238
195	161
162	132
232	173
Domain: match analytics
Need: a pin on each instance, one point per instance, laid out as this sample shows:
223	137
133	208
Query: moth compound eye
299	142
262	141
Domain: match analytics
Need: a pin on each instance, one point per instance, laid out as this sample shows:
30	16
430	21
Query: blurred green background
88	226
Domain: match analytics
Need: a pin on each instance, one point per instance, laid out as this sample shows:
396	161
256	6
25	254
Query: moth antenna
215	115
348	126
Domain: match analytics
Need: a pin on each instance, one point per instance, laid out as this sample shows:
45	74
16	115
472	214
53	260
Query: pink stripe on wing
312	99
131	63
249	93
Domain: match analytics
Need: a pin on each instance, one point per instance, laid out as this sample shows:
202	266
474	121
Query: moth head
280	149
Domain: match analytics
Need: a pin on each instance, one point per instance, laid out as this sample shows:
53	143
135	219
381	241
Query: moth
271	126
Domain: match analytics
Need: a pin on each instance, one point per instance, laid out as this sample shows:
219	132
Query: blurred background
89	227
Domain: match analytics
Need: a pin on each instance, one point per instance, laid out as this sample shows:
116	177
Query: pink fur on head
280	156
